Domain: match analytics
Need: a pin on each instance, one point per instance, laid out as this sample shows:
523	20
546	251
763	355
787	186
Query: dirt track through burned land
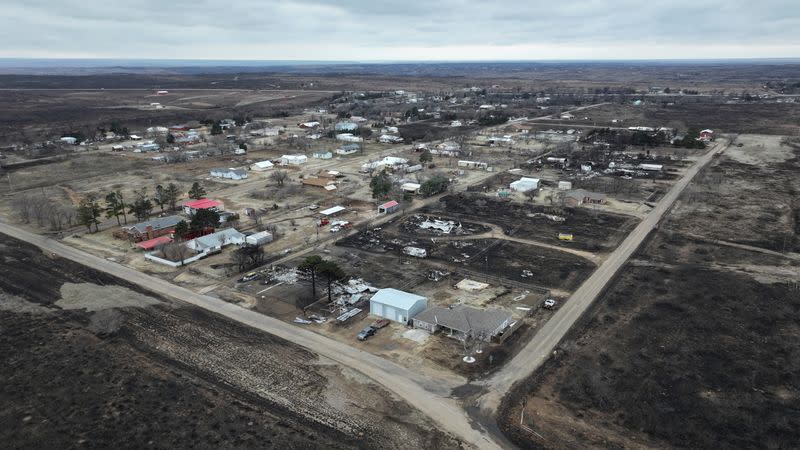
153	372
426	393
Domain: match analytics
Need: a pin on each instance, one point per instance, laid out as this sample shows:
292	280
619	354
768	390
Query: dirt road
536	352
429	395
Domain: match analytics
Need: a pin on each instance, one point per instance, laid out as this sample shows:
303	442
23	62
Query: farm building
564	185
308	125
293	160
230	173
69	140
525	184
396	305
259	238
458	320
651	167
193	206
581	196
215	241
150	229
262	166
388	207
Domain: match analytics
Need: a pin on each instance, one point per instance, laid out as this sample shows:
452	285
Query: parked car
249	277
365	333
549	304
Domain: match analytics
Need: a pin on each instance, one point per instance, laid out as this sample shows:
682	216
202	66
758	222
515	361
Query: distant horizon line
110	62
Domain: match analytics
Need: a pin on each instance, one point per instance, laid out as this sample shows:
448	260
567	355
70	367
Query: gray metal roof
397	299
157	224
465	318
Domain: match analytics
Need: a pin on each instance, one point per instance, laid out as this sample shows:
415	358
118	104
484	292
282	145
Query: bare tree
279	176
176	251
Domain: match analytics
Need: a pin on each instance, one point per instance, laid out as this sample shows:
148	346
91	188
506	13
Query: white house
230	173
262	166
348	149
323	155
525	184
346	126
293	160
564	185
348	137
389	139
215	241
396	305
68	140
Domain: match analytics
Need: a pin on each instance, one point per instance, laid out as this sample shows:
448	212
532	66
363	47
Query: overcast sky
400	30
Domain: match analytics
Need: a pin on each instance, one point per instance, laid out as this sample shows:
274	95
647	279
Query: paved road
536	352
427	394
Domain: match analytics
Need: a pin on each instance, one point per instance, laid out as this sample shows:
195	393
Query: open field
750	192
226	384
686	112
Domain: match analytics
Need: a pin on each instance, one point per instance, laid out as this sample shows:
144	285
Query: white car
549	303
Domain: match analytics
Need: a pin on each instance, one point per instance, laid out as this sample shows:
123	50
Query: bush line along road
427	394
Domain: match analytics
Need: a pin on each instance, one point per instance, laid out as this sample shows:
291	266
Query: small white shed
397	305
259	238
525	184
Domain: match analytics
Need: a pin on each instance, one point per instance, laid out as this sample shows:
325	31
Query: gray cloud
412	29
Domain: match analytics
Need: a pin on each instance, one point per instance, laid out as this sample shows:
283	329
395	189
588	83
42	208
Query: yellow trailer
564	236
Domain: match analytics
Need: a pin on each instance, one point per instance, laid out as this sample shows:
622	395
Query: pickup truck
364	334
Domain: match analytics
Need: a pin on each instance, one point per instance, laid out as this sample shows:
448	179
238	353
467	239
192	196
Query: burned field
593	230
695	343
91	360
491	257
711	350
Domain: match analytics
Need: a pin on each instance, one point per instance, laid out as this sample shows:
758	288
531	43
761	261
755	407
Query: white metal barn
397	305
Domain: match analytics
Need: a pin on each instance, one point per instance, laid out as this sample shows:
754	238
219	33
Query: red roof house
203	203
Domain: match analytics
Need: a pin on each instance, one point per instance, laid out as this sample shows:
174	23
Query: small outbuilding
397	305
262	166
525	184
332	211
388	207
260	238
